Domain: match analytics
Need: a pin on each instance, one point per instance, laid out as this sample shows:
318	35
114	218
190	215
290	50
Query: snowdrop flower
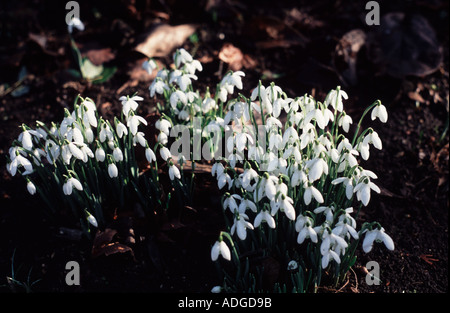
234	79
362	191
165	153
158	86
140	138
285	204
247	204
163	138
379	111
184	80
134	121
117	154
240	226
105	133
182	56
216	289
121	129
174	172
345	122
292	265
75	22
223	179
91	219
348	183
100	154
326	258
246	178
335	99
317	167
230	202
163	125
192	67
149	65
31	187
177	96
26	140
377	235
129	104
19	161
298	177
264	216
217	169
328	211
70	184
220	248
113	171
150	155
307	232
342	228
310	192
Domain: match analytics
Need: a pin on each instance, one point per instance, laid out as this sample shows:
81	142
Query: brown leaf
415	96
104	245
162	39
232	56
100	56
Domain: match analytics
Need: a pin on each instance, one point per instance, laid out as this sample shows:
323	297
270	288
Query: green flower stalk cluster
85	167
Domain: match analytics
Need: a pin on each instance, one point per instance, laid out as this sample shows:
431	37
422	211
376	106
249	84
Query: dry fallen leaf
162	39
103	244
232	56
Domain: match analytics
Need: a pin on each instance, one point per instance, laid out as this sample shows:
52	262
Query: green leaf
107	73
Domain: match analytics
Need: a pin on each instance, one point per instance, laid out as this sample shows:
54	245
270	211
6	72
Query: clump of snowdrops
293	184
84	168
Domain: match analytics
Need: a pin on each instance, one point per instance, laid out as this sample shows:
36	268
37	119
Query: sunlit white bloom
105	133
177	96
307	232
223	179
19	161
327	211
117	154
140	138
326	255
317	167
163	125
298	177
149	65
362	191
75	22
377	235
150	155
31	188
310	192
121	129
334	98
234	79
91	219
158	86
240	226
220	248
134	121
129	104
25	138
181	56
247	204
217	169
264	216
192	67
230	202
70	184
379	111
113	171
100	154
174	172
345	122
348	183
342	228
165	153
163	138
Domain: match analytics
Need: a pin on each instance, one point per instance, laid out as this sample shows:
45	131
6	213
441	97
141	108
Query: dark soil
292	43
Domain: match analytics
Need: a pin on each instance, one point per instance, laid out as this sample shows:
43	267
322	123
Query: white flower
362	191
348	183
240	226
191	67
317	167
182	56
230	202
264	216
163	138
286	206
70	184
165	153
31	188
134	121
129	104
328	211
20	160
140	138
217	169
223	179
234	79
342	228
292	265
177	96
307	232
113	171
246	178
377	235
149	65
158	86
379	111
105	133
311	191
184	80
163	125
247	203
216	289
100	154
345	122
335	99
220	248
150	155
91	219
174	172
117	154
326	258
75	22
121	129
26	139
